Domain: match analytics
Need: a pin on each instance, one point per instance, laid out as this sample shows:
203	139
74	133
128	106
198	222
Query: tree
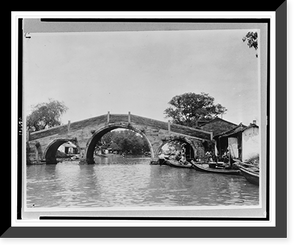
188	108
126	141
251	38
45	115
131	142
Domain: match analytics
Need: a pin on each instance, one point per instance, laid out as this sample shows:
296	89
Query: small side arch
51	150
191	152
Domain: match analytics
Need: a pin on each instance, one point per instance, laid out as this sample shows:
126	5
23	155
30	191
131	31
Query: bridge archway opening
171	146
51	150
96	141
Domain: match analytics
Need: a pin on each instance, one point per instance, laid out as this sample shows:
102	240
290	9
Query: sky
140	72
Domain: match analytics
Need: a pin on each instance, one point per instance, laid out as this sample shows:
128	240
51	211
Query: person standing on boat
161	158
228	154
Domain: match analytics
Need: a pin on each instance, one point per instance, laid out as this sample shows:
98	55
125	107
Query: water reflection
132	182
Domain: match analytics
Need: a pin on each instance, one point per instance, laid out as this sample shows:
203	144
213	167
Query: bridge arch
51	149
192	152
154	131
97	135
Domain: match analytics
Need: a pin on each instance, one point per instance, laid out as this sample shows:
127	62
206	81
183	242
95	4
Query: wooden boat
250	172
175	163
206	168
216	164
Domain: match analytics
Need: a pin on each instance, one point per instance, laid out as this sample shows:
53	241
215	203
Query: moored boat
206	168
216	164
251	173
175	163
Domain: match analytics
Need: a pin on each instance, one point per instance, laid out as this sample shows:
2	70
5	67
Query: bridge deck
115	118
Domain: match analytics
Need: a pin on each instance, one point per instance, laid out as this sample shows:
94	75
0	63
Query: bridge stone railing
156	131
60	130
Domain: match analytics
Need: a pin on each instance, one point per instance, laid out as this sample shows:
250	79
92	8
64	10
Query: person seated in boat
208	156
197	159
225	158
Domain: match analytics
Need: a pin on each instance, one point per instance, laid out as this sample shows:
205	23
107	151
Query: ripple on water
132	183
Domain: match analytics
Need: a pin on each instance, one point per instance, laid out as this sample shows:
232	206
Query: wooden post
129	118
108	114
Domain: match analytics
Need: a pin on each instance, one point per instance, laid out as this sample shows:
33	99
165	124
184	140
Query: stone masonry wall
82	131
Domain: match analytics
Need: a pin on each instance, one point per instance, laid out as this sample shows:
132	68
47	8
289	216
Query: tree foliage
188	108
126	141
251	39
45	115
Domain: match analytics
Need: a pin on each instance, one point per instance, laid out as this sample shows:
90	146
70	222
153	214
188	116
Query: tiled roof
237	129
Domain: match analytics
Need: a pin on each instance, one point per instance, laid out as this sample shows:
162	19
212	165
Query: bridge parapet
185	130
113	118
155	131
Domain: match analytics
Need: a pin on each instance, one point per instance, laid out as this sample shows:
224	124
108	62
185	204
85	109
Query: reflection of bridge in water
43	145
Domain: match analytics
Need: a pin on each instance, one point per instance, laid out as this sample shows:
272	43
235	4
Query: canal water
115	181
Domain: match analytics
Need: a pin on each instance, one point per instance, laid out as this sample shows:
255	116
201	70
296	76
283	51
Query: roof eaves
231	131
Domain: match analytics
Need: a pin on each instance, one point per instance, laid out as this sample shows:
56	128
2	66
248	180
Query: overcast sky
140	71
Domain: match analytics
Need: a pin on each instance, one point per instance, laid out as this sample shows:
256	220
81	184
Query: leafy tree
251	38
188	108
105	141
45	115
127	141
131	142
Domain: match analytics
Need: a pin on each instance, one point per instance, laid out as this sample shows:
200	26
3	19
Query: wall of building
250	143
233	147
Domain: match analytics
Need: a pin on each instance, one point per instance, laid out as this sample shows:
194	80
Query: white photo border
15	222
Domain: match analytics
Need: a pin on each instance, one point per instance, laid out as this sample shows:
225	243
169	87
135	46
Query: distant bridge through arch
86	133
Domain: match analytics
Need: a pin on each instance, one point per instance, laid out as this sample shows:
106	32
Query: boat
250	172
176	163
206	168
216	164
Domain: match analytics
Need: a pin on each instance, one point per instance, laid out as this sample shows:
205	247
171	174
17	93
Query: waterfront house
68	147
216	125
242	142
250	142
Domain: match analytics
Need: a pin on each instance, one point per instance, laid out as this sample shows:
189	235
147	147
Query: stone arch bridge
42	145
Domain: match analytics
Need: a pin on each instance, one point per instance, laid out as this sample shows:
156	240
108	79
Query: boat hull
250	176
176	164
206	168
